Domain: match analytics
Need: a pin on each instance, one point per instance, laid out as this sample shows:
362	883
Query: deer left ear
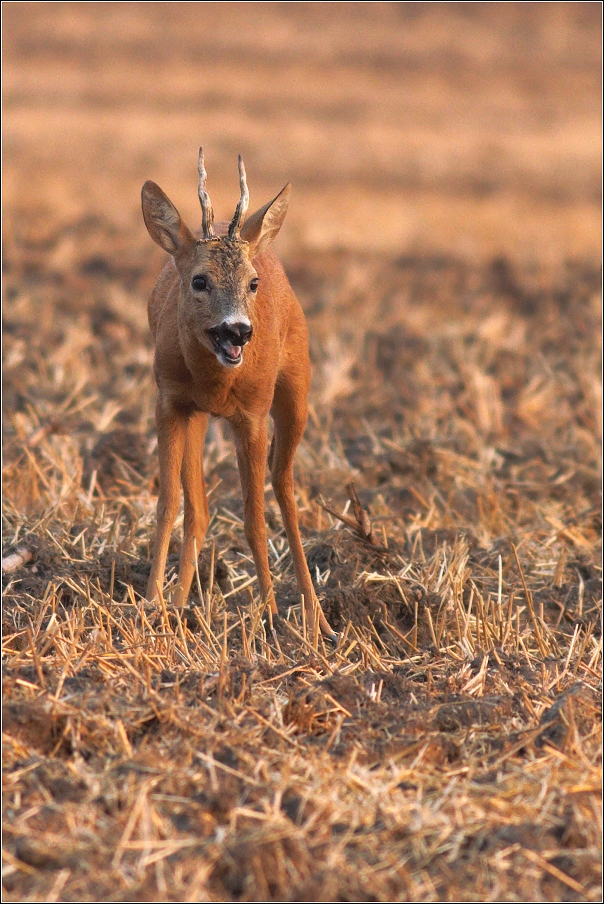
263	226
163	221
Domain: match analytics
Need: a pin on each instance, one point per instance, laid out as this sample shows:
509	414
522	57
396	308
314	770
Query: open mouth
228	345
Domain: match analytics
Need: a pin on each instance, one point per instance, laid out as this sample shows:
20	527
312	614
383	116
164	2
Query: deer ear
163	220
263	226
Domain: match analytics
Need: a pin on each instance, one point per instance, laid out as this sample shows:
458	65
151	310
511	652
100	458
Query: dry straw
448	749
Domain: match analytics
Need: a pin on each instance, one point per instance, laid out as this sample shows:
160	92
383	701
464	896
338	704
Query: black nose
236	333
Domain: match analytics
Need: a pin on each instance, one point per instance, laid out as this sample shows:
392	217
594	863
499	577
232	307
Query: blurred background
473	128
443	235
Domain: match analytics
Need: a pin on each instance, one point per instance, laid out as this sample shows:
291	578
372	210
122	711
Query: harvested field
444	240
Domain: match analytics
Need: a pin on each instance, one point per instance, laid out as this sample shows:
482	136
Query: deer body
230	341
191	374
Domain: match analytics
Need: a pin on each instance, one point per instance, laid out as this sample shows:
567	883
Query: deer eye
199	283
253	285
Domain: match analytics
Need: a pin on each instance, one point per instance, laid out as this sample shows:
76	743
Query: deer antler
207	212
244	200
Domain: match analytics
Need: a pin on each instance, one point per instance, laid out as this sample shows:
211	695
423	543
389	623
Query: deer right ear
262	227
163	221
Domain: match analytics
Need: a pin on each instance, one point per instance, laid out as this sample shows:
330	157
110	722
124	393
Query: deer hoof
266	621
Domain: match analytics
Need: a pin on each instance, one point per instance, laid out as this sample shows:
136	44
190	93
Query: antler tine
244	200
207	212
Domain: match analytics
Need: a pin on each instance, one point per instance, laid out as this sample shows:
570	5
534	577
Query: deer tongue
232	351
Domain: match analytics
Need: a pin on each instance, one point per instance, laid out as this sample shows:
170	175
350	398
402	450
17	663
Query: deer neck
212	381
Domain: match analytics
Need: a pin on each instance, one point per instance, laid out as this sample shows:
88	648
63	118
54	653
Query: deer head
219	285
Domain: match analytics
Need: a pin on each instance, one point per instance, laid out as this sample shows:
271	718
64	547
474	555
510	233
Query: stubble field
444	240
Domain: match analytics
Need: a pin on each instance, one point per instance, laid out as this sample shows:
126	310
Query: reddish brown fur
273	378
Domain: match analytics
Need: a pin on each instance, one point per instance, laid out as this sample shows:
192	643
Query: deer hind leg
289	412
171	432
251	442
197	513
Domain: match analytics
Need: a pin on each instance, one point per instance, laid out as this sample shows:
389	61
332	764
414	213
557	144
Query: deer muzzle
228	340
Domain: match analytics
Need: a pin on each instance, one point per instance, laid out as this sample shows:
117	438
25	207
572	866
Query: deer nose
237	333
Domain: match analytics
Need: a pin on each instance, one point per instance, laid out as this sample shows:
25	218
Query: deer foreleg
251	443
197	513
171	431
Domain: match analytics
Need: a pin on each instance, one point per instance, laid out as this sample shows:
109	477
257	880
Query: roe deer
231	341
